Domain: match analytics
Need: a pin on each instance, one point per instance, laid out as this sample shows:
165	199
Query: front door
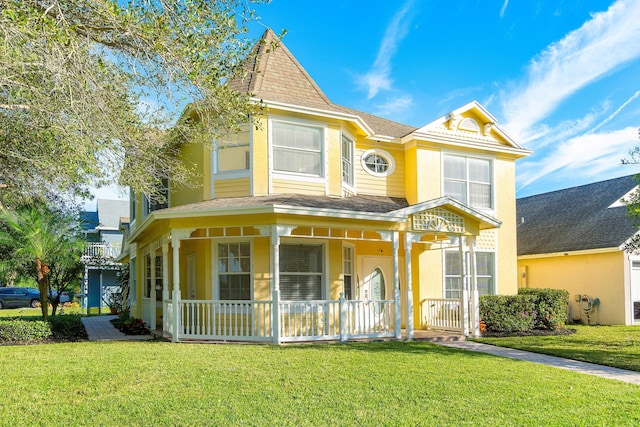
375	284
375	276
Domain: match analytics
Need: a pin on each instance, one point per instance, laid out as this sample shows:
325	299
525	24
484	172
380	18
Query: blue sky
562	77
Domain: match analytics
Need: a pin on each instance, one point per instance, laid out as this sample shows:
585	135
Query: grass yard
617	346
394	383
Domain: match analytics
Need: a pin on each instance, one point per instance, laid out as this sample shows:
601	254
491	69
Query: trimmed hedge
66	327
551	305
508	313
24	330
530	309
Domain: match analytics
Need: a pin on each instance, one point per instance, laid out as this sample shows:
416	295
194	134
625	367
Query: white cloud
504	8
586	155
601	45
394	107
379	76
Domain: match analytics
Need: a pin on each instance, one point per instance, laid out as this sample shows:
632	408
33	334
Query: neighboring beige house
324	222
574	239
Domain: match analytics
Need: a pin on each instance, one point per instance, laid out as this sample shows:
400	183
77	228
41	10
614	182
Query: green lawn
617	346
395	383
30	312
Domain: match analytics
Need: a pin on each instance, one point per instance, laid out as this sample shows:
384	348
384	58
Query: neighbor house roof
110	212
579	218
274	75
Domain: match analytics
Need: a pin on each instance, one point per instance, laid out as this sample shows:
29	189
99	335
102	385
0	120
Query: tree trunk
42	271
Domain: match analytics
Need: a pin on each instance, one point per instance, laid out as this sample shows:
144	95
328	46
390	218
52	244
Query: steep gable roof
274	75
578	218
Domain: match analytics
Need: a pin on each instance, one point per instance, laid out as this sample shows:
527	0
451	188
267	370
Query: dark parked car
19	297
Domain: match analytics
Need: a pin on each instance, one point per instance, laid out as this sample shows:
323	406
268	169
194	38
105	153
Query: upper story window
468	179
378	162
347	161
161	201
232	152
298	148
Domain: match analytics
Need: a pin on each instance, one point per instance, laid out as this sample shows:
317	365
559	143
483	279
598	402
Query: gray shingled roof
375	204
274	74
574	219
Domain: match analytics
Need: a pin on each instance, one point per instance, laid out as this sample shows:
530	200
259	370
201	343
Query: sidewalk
100	328
632	377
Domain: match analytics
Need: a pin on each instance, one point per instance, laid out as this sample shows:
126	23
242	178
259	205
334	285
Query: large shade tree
88	84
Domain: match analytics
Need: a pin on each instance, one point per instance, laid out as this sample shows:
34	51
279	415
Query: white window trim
215	279
382	153
466	155
298	176
216	175
346	186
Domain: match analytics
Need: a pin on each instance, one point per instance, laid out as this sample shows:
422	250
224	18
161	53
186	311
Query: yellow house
327	223
574	239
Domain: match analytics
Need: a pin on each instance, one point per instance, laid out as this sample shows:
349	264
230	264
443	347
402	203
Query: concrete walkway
632	377
100	328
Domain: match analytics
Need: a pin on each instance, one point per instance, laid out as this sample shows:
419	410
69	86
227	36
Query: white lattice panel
438	219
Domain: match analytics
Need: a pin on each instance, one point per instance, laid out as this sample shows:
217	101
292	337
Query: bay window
298	148
301	272
234	271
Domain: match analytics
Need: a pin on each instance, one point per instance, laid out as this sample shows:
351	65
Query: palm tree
37	236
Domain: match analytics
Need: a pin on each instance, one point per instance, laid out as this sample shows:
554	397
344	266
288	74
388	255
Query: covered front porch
367	270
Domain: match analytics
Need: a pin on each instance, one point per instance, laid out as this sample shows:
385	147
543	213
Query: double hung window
231	153
485	274
347	161
298	148
234	271
468	179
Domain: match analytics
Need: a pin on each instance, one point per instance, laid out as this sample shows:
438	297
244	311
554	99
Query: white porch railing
442	313
101	251
298	320
225	320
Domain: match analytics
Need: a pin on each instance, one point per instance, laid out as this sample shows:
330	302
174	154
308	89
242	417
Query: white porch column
275	283
408	244
152	295
464	300
165	281
396	284
175	300
475	300
165	271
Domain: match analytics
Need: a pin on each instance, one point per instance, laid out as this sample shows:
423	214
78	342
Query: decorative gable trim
438	220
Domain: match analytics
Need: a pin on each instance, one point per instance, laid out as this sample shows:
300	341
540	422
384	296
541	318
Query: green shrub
68	327
130	325
551	305
508	313
24	330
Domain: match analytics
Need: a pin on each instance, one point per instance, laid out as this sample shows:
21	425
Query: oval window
378	162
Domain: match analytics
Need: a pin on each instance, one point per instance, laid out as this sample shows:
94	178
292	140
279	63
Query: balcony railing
101	252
